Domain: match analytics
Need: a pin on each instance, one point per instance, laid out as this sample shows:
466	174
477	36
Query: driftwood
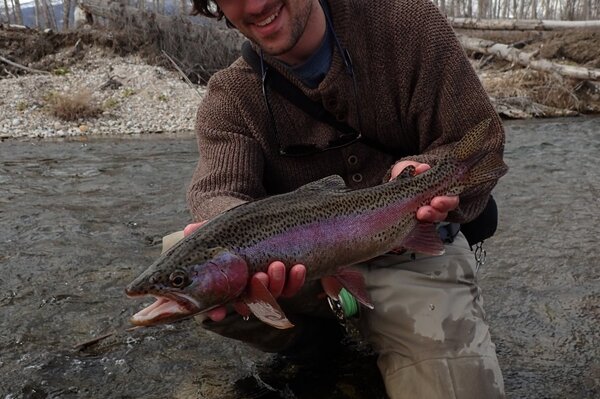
23	67
527	59
525	108
523	24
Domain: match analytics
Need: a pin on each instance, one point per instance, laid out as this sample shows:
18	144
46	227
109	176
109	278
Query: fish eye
178	279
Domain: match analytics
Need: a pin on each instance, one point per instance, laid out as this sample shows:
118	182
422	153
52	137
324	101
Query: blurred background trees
568	10
51	13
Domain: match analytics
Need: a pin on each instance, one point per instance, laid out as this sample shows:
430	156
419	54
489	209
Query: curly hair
208	8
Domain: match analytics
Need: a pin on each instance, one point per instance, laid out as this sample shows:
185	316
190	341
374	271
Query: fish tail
472	151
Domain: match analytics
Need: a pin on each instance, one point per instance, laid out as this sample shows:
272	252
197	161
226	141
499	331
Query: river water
81	218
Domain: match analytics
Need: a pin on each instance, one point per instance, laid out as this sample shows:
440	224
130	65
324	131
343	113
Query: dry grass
74	106
541	87
199	50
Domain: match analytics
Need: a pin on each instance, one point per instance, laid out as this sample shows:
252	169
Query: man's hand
274	279
437	210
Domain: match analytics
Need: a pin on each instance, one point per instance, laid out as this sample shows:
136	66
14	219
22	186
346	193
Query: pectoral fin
264	306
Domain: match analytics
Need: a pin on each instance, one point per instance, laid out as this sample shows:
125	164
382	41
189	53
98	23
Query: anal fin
424	238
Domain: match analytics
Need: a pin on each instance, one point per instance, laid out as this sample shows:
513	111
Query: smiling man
399	91
289	30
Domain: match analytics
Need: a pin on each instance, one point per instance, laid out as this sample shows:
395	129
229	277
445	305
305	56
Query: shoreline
132	96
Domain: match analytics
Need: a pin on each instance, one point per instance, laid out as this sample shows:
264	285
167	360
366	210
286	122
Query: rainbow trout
322	225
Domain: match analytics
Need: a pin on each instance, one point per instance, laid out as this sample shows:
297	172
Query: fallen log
523	24
526	108
527	59
23	67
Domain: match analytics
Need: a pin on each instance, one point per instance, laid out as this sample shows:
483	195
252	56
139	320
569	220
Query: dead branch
183	75
523	24
23	67
527	59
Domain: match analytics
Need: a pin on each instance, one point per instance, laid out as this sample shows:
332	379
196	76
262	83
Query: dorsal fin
329	183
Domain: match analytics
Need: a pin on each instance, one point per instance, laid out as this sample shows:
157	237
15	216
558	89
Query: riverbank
123	87
124	93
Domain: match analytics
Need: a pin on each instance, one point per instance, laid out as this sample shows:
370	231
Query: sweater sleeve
230	166
446	97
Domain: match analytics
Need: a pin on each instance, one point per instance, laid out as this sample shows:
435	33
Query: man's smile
270	18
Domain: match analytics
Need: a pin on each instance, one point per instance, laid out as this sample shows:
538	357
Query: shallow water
81	218
542	281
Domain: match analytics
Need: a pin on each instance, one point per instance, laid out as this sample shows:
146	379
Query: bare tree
586	9
37	13
469	8
66	13
183	7
533	9
16	6
569	10
482	8
7	12
48	13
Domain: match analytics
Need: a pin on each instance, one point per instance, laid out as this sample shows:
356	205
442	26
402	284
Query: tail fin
483	165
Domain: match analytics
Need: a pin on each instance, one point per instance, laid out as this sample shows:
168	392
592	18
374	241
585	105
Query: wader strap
293	94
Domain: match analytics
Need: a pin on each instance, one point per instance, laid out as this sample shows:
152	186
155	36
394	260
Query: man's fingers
217	314
295	281
422	167
276	274
263	277
278	283
438	209
445	203
429	214
192	227
275	280
400	166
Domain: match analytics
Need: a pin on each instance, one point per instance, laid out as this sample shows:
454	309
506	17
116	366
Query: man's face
275	25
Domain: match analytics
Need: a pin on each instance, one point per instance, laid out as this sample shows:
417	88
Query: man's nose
255	7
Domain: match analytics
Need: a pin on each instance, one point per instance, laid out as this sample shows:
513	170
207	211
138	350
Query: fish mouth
166	309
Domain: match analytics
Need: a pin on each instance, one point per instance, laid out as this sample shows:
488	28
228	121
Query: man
393	71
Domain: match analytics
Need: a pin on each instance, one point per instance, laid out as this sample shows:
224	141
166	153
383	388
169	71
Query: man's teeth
268	20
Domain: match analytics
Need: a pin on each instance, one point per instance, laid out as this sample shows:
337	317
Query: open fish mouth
165	310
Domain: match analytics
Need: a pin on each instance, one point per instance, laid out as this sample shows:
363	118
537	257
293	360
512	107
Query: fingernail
278	274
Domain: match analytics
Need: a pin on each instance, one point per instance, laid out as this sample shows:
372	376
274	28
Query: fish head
186	287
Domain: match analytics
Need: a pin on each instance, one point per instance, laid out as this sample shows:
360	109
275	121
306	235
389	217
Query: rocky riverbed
81	218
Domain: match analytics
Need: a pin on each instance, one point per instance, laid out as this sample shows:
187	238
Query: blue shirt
312	71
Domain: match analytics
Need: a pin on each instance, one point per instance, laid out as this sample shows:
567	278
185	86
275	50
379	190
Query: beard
299	12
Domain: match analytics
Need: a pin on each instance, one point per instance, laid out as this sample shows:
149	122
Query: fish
323	225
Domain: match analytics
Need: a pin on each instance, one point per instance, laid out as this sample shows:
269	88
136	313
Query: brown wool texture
417	95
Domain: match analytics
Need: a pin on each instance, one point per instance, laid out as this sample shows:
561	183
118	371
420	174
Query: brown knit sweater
417	95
